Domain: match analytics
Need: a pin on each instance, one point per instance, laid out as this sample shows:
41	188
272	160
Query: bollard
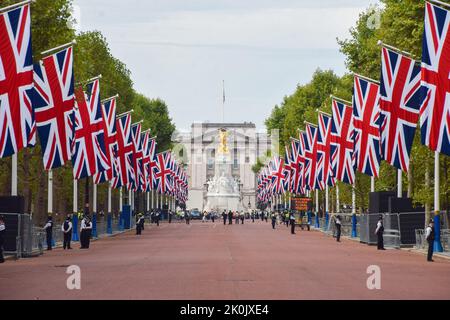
109	224
309	217
94	225
437	246
327	217
354	232
75	227
317	221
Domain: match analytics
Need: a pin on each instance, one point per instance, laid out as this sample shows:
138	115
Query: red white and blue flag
17	126
278	175
342	143
53	105
148	154
125	148
400	101
110	140
324	173
366	121
89	153
310	154
435	112
163	172
136	131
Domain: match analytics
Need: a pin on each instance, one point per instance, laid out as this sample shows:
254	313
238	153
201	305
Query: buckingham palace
199	150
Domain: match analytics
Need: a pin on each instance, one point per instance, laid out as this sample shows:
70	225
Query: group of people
287	218
67	230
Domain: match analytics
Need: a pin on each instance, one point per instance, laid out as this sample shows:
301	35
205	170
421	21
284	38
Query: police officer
274	220
224	217
139	224
66	228
85	232
286	218
157	214
2	237
213	216
266	217
430	235
170	216
49	231
379	232
253	216
338	225
242	215
187	217
292	222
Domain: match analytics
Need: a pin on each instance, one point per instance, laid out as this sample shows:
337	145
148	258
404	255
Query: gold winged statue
223	137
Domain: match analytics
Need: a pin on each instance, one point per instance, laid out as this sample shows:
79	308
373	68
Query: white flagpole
14	192
437	204
338	204
148	201
317	200
372	184
129	197
120	199
50	192
109	198
353	200
327	203
399	184
94	199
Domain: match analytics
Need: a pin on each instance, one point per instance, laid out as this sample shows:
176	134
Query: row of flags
73	124
379	124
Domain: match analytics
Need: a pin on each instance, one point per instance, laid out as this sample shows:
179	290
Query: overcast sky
181	50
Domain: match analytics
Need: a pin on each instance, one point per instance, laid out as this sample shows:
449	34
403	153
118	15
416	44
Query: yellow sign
223	138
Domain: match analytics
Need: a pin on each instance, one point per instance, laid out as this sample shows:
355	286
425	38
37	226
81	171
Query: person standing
230	217
292	222
213	216
67	228
338	225
85	232
430	235
139	224
187	217
2	237
49	232
379	232
266	217
253	216
274	220
287	219
157	215
242	215
224	217
170	216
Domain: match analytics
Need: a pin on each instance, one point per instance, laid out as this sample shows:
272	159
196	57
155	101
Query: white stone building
199	147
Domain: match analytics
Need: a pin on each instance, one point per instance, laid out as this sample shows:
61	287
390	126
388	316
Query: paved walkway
212	261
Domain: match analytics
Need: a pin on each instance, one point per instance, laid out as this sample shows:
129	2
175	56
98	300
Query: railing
422	243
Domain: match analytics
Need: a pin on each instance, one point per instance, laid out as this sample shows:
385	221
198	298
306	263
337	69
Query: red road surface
206	261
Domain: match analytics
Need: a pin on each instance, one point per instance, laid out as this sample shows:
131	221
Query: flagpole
372	184
327	206
148	201
353	199
338	204
440	3
109	214
13	6
94	209
399	184
437	206
50	192
60	48
317	208
14	192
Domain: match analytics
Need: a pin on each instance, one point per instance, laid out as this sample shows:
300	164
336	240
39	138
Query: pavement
206	261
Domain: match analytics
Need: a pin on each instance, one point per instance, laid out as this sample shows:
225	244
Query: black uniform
292	222
224	216
49	232
274	220
379	233
157	218
338	228
170	216
253	217
85	234
187	217
230	217
67	231
139	225
2	236
430	240
213	217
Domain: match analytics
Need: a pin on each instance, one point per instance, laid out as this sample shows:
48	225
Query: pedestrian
287	218
292	222
213	216
379	232
253	216
139	224
187	217
274	220
224	217
170	216
67	228
157	215
85	232
262	216
204	216
242	217
230	217
2	237
49	232
338	225
430	234
266	216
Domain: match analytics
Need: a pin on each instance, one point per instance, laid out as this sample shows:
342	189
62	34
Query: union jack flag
125	170
298	165
148	154
287	170
310	139
435	112
17	126
110	140
400	101
53	104
163	172
137	156
366	121
89	154
278	175
324	173
342	143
